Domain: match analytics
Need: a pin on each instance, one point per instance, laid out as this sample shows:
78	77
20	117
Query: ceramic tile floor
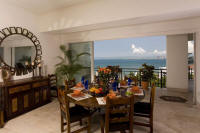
168	118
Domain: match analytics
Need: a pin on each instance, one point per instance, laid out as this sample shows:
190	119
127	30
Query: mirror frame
6	32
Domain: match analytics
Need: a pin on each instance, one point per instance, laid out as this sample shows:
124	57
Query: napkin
101	101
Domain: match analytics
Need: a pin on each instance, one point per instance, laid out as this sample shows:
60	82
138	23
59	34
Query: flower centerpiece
104	75
115	71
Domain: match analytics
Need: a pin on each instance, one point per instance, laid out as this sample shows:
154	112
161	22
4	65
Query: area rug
173	99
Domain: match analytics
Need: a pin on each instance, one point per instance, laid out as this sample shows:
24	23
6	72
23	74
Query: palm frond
79	55
62	61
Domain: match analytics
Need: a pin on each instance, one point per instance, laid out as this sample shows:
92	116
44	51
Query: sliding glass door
85	60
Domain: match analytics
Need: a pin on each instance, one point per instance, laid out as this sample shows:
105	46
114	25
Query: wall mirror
20	50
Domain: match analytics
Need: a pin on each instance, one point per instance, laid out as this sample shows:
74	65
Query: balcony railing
159	75
190	74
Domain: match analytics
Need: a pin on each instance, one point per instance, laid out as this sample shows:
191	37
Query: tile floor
168	118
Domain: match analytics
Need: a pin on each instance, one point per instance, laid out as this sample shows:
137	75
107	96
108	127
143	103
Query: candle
32	63
26	63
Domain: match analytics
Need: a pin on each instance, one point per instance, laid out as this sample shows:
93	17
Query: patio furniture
53	84
73	114
119	115
143	109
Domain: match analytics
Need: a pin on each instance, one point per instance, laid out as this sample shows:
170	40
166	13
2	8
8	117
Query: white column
177	62
197	62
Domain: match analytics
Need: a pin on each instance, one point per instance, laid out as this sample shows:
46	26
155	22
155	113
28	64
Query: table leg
1	119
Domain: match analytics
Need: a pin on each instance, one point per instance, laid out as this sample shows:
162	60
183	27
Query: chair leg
151	129
68	128
89	122
102	127
81	123
151	125
62	124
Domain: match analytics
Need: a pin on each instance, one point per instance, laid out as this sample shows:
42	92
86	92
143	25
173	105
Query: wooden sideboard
21	96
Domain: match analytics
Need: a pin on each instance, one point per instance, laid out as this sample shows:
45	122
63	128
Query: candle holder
40	69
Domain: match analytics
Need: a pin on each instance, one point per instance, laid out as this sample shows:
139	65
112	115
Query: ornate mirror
20	50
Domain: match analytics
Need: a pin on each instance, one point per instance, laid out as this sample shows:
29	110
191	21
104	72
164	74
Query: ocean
130	63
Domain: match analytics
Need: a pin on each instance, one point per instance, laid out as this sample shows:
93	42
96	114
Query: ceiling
43	6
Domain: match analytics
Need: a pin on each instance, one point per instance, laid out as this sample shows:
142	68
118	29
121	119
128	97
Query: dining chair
53	84
118	115
70	115
145	109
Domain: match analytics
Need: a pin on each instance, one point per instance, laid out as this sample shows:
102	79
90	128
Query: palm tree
68	67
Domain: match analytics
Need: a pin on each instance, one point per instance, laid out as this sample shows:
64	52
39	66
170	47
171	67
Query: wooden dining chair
118	115
53	84
73	114
145	109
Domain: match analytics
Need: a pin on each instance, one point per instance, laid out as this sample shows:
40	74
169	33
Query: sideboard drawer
40	84
19	89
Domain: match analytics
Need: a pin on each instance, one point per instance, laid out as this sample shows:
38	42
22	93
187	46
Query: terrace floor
169	117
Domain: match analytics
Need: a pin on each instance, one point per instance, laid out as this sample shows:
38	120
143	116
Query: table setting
94	94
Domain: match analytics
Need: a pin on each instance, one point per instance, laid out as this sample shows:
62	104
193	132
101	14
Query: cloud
157	52
190	46
137	50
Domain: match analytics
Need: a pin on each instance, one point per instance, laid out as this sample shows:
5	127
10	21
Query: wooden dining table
92	102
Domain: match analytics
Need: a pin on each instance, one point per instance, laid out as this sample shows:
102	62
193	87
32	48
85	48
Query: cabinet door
45	94
27	100
15	105
37	96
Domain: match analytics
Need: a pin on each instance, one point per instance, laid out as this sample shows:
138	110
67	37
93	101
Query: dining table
92	102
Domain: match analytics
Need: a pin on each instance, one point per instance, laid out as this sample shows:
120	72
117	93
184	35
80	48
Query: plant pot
145	85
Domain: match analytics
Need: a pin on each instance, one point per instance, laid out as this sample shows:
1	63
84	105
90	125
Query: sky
143	47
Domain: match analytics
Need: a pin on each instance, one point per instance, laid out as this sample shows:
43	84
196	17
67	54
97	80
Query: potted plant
146	73
133	77
68	67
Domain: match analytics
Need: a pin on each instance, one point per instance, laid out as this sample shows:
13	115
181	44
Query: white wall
102	11
14	16
177	62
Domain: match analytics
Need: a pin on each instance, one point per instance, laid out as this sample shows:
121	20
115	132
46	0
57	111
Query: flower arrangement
115	71
104	75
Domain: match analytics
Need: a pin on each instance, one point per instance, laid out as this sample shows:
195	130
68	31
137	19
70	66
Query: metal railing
159	75
190	74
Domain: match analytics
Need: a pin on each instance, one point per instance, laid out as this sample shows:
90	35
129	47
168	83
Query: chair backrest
121	105
64	102
52	80
152	98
